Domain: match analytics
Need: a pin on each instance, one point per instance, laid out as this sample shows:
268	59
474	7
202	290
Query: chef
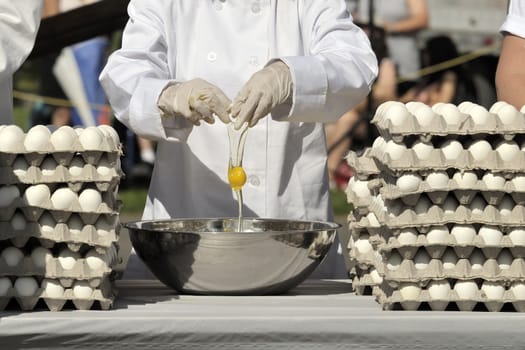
282	66
19	21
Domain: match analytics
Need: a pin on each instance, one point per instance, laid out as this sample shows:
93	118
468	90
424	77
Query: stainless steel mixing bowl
206	256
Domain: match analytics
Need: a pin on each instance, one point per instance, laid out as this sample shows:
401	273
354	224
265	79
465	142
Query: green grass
133	200
339	203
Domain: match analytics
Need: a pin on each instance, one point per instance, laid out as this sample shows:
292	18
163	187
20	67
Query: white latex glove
195	100
266	89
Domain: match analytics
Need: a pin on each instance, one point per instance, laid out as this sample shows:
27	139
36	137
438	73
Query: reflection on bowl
206	256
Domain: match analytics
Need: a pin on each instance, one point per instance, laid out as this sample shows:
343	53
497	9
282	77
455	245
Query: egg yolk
236	177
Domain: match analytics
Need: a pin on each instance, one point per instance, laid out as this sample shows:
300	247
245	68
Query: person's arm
51	8
19	22
510	75
338	70
417	20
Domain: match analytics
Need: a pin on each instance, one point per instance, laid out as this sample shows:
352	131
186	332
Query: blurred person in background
19	22
510	75
287	65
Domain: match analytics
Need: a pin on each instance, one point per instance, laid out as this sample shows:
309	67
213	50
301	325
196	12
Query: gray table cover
316	315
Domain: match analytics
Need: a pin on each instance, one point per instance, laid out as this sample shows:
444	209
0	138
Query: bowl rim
133	225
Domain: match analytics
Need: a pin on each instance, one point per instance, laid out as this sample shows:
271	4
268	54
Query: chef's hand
266	89
195	100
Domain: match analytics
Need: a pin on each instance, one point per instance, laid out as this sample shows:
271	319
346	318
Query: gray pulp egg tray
104	295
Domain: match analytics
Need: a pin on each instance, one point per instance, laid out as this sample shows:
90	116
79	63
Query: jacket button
212	56
254	180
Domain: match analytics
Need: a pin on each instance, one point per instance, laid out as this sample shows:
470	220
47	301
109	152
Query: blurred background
429	50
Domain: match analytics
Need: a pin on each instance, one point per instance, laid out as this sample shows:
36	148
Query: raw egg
480	150
94	260
437	180
410	291
491	235
236	178
68	258
11	139
508	151
394	150
64	138
451	114
422	150
466	290
408	182
438	235
517	236
439	290
90	200
517	288
494	182
26	286
64	198
479	115
12	256
493	290
452	149
5	286
91	139
397	113
466	179
8	194
407	236
40	256
464	234
37	138
53	289
82	290
37	195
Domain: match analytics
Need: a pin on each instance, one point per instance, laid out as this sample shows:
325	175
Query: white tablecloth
316	315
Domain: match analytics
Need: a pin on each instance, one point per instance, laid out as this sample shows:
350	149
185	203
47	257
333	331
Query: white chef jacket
19	22
515	22
225	42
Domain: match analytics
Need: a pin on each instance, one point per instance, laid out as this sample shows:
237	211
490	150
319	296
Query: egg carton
104	294
364	165
407	160
404	216
89	175
396	300
437	125
33	214
364	281
100	233
61	158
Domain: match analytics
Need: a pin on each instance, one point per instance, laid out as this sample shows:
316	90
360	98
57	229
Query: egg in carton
28	291
397	121
466	294
361	193
364	281
364	166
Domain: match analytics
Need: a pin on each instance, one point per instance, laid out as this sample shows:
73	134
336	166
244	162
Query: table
316	315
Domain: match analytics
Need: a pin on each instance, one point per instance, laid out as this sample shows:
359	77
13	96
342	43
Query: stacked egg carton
452	204
59	238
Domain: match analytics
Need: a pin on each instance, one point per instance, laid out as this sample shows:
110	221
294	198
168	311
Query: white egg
452	149
466	290
68	259
494	182
53	289
104	167
394	150
48	167
360	188
394	261
94	260
438	235
26	286
410	291
379	144
491	235
477	259
12	256
439	290
519	183
104	227
407	236
508	114
397	113
91	139
517	288
82	290
8	194
423	150
424	115
464	234
508	151
371	217
11	139
466	179
497	106
450	205
493	290
37	138
47	224
480	150
449	259
478	205
421	260
408	182
363	245
505	259
380	111
78	130
517	236
437	180
466	106
506	206
76	167
18	221
5	286
20	166
64	138
479	115
40	256
422	206
37	195
91	199
64	198
75	225
111	133
451	114
376	277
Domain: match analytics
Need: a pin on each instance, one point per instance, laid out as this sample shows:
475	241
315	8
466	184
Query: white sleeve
338	70
135	75
515	22
19	22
